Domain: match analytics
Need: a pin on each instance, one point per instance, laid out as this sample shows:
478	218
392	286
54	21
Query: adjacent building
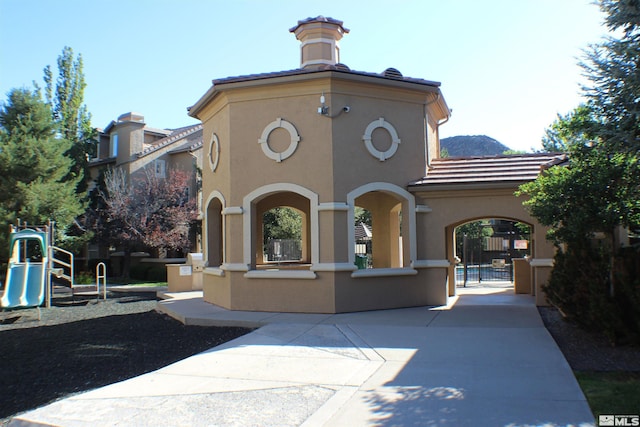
129	144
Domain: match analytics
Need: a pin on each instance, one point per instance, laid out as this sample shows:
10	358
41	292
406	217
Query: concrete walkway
485	360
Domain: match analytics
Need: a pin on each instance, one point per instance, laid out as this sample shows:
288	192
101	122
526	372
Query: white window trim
279	188
383	272
280	274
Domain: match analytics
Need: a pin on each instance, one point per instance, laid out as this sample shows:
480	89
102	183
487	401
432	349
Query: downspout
426	139
440	123
426	130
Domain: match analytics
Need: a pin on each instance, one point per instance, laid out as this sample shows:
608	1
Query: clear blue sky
507	67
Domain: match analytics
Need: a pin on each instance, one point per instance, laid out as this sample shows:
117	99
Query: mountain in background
471	145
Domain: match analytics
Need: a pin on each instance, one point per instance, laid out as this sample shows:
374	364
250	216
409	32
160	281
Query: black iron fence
283	250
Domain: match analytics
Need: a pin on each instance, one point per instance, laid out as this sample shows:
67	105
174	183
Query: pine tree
34	167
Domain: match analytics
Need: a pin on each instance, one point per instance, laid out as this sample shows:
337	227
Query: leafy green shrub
84	278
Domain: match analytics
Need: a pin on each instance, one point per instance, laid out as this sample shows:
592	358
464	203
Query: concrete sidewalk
485	360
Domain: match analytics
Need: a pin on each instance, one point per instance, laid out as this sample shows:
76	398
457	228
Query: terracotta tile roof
504	170
363	232
192	134
105	161
320	18
188	146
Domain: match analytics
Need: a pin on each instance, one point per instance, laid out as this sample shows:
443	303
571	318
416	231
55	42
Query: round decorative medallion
264	140
214	152
395	141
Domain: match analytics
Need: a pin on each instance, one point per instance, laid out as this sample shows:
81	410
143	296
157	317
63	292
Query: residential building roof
191	134
486	171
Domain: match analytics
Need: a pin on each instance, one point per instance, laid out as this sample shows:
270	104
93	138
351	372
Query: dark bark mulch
588	351
81	345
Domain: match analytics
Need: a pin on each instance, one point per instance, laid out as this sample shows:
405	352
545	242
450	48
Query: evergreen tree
34	167
598	192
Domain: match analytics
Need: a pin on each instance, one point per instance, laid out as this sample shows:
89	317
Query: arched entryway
492	252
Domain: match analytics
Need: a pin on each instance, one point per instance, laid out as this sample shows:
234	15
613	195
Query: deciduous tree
73	121
148	211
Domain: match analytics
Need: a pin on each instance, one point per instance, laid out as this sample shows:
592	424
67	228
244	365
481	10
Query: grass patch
147	284
611	393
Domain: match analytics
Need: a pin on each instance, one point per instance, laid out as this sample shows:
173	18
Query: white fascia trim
388	188
541	262
334	266
234	267
333	206
423	209
280	274
430	263
233	210
279	188
383	272
214	271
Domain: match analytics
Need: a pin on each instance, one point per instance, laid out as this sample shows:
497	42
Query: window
160	168
114	145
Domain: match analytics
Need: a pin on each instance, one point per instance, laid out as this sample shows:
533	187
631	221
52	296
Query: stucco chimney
319	38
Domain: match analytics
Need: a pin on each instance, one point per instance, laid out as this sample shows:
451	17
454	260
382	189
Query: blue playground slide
26	275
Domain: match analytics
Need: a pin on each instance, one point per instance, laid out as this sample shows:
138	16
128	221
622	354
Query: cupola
319	39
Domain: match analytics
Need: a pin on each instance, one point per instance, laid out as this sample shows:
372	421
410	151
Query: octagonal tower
322	140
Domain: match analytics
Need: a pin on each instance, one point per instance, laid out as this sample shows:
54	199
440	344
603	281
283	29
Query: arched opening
488	251
215	233
386	247
283	228
363	237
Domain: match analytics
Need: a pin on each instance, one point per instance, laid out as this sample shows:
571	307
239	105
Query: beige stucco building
323	139
136	148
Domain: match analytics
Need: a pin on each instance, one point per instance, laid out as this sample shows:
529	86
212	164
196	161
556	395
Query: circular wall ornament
214	152
264	140
395	141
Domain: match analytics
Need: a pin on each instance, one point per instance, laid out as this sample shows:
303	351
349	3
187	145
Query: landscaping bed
609	376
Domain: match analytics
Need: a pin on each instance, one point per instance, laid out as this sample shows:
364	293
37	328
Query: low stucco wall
329	292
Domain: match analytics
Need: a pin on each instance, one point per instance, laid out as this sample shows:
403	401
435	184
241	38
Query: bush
139	271
581	287
157	273
149	272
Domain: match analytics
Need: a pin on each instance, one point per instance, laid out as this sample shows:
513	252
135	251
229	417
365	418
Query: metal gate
489	259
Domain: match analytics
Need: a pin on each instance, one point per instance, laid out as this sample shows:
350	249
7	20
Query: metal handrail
101	267
69	264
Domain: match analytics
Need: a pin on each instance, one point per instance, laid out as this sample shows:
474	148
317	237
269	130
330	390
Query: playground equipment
101	277
33	261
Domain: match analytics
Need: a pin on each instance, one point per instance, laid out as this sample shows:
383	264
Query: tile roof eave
416	187
100	162
171	139
300	73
